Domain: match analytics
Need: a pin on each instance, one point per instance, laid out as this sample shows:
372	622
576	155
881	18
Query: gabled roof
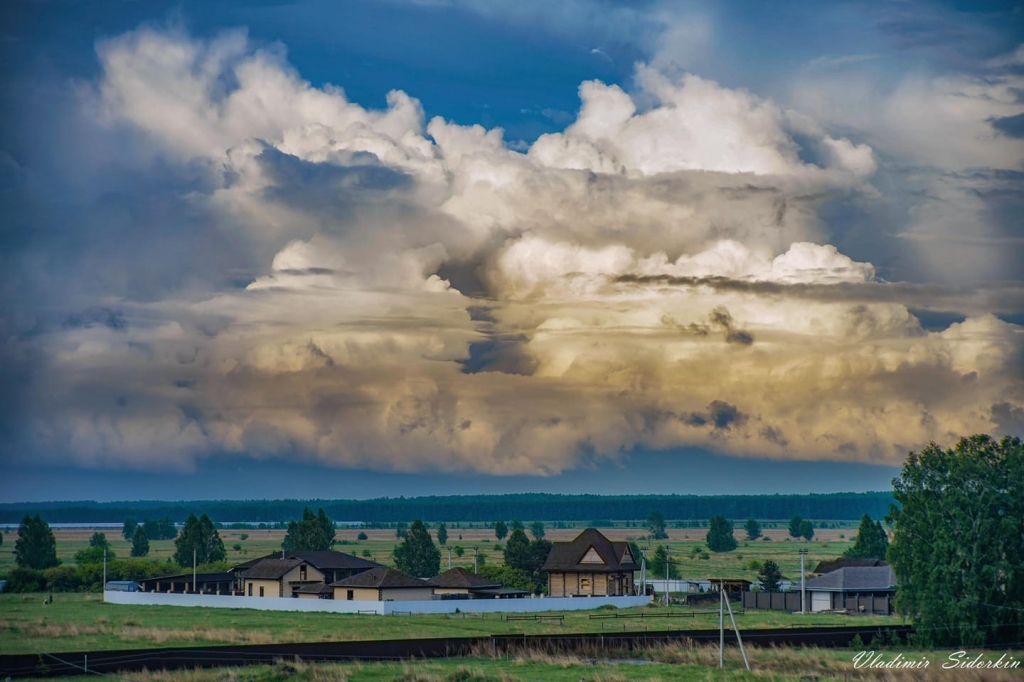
380	577
611	557
855	579
270	569
329	560
460	577
829	566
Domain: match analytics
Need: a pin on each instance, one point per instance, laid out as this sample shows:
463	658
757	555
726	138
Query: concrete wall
380	607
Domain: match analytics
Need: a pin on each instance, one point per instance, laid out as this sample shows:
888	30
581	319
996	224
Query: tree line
473	508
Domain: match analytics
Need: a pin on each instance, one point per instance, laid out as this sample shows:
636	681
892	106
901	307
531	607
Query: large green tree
442	534
958	542
656	564
128	530
500	530
314	533
537	530
753	529
35	547
200	535
807	530
796	523
140	543
770	576
871	540
417	555
656	525
720	537
98	550
517	550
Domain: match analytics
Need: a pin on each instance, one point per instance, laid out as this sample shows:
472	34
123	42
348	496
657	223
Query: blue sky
504	246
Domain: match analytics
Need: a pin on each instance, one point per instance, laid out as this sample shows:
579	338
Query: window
261	590
584	584
351	595
302	572
250	589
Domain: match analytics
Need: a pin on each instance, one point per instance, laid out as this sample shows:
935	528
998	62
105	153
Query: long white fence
528	605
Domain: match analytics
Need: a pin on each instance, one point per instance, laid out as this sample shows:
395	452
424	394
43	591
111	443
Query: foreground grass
657	664
83	622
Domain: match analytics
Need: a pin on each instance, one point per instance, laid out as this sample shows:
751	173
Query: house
279	577
333	565
382	584
590	565
187	583
855	589
460	583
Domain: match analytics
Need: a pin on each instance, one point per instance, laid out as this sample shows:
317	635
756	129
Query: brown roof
270	569
461	577
322	560
382	576
566	556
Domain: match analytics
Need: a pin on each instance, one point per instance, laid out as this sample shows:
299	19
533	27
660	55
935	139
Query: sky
353	249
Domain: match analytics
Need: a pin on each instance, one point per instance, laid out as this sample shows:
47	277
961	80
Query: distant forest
472	508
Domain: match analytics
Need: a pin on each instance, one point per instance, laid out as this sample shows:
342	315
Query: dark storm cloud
719	414
111	319
328	187
500	353
1009	125
718	320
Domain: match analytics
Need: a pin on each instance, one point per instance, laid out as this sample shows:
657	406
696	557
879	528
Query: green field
682	541
81	622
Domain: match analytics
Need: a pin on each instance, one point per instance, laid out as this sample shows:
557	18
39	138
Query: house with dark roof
333	565
590	565
278	577
383	584
461	583
854	589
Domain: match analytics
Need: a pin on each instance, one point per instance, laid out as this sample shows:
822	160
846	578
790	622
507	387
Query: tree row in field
473	508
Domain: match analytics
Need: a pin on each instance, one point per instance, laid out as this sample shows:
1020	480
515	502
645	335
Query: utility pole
738	638
476	553
449	558
668	562
721	624
803	583
193	570
104	573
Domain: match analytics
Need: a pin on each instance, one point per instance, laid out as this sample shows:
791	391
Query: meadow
683	545
83	622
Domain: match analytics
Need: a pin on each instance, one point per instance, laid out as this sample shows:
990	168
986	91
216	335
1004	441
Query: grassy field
82	622
658	664
379	544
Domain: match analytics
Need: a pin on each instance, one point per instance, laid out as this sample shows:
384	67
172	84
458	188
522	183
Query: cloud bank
372	289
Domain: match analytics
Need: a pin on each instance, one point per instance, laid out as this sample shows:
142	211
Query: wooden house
590	565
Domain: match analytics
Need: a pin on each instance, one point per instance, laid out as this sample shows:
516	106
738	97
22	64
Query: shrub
25	580
61	579
362	536
244	536
237	547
